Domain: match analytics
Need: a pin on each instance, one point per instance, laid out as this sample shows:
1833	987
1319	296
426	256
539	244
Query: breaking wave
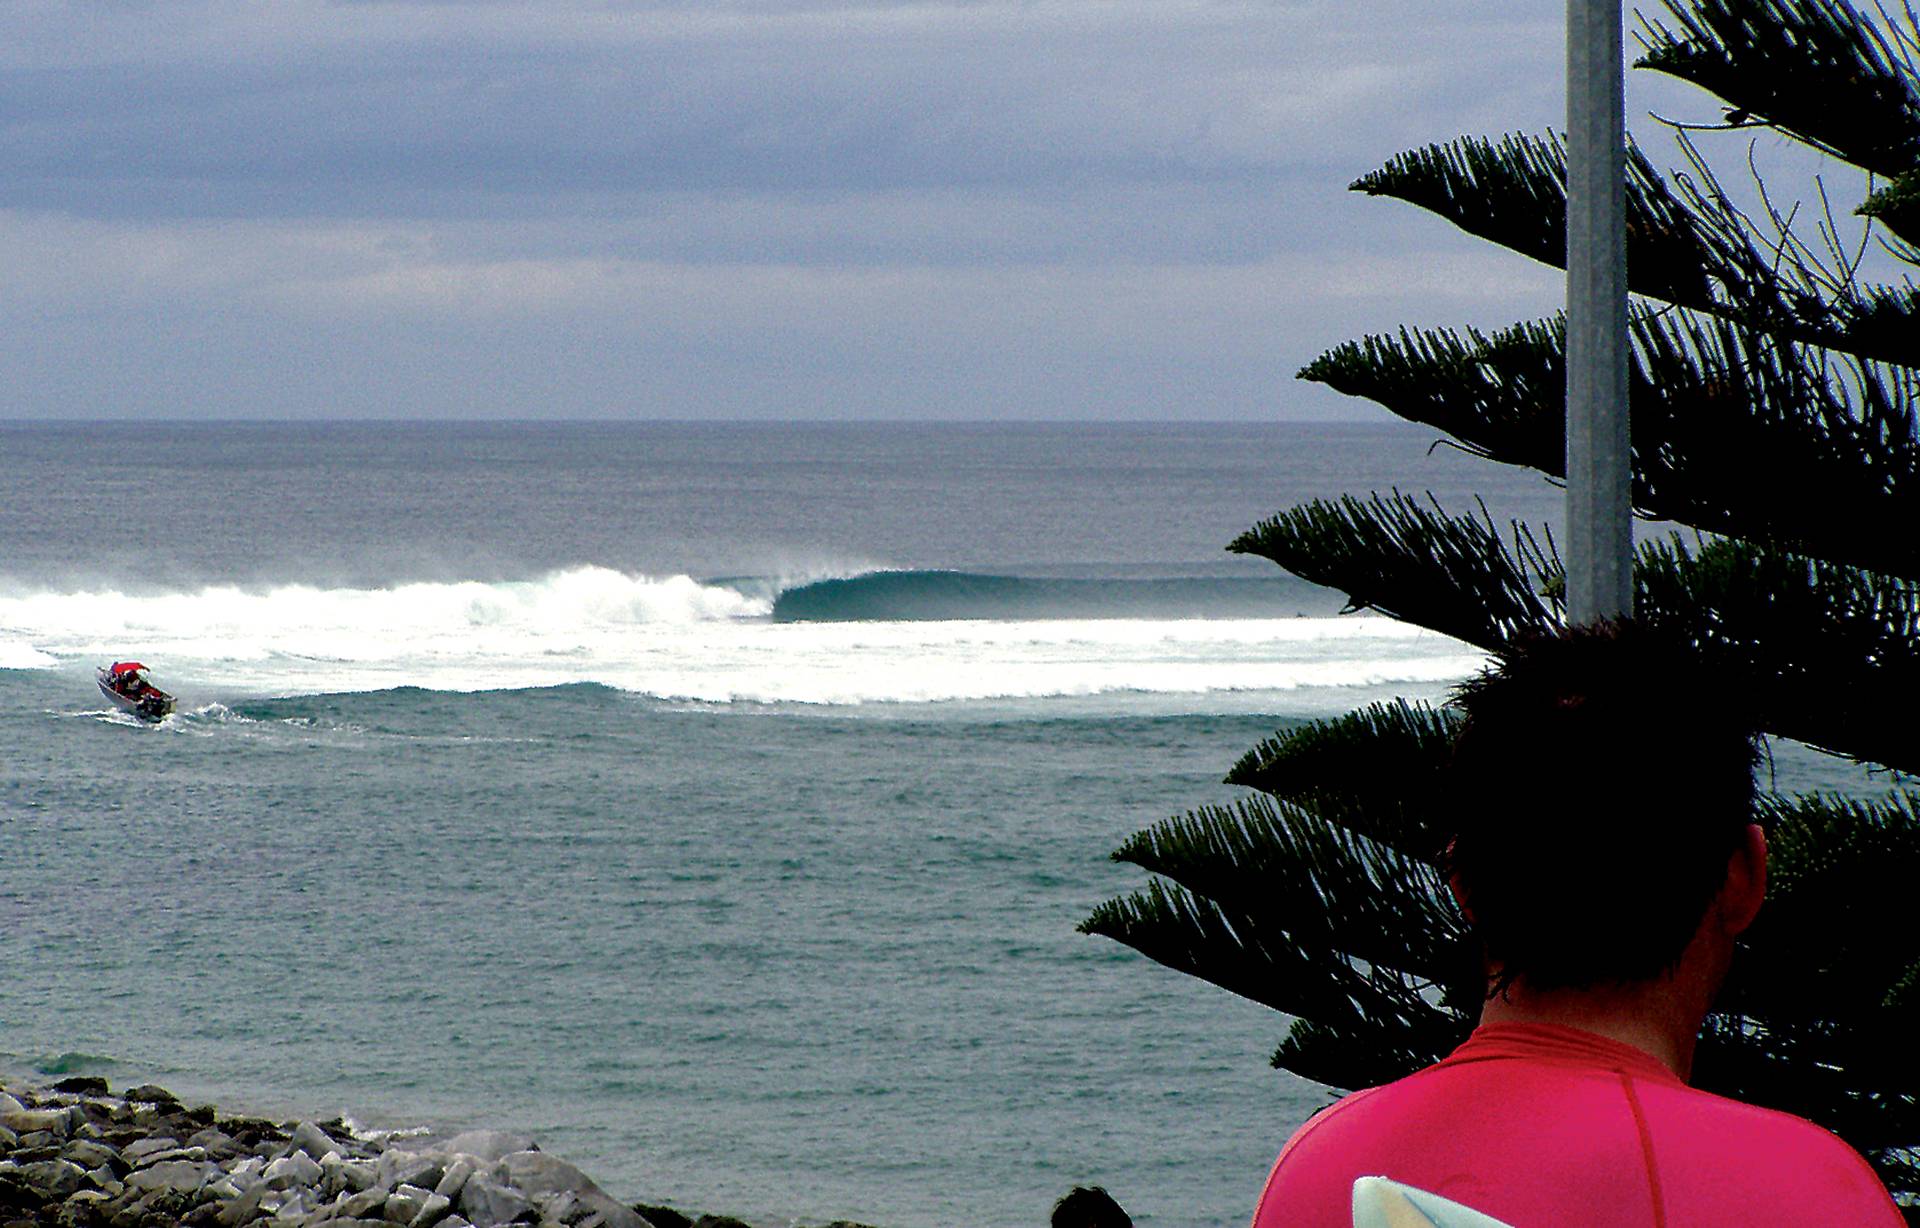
935	595
883	637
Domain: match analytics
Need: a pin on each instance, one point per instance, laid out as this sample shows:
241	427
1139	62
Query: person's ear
1746	885
1453	886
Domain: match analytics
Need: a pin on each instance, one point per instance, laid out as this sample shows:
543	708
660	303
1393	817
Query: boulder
84	1085
431	1212
298	1169
536	1172
219	1144
311	1139
456	1176
147	1093
136	1151
36	1121
53	1180
185	1176
88	1154
361	1205
422	1168
171	1153
488	1204
405	1202
244	1208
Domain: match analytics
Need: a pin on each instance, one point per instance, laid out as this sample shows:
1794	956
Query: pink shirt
1549	1127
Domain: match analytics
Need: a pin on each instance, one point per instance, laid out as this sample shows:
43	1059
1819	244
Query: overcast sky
1115	209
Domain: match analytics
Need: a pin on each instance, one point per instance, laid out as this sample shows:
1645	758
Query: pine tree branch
1195	935
1723	419
1897	207
1366	1055
1815	69
1687	244
1824	651
1289	871
1417	564
1374	772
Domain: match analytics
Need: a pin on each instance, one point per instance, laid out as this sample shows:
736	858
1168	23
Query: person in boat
1604	854
129	678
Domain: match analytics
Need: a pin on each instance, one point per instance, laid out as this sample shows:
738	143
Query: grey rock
487	1204
84	1085
455	1221
89	1154
54	1180
223	1188
183	1175
536	1172
133	1152
9	1105
288	1171
30	1121
359	1206
8	1139
147	1093
357	1176
171	1153
486	1145
311	1139
456	1176
244	1208
405	1202
219	1144
422	1168
431	1212
297	1205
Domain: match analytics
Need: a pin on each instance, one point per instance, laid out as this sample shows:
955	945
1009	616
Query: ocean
714	803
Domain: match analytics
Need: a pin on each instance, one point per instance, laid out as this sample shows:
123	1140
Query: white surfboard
1382	1203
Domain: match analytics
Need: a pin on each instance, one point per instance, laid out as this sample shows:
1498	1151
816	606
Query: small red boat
126	684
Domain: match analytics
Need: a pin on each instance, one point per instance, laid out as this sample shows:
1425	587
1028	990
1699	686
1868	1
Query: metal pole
1599	510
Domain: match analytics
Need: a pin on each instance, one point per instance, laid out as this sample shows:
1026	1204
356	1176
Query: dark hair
1598	786
1089	1206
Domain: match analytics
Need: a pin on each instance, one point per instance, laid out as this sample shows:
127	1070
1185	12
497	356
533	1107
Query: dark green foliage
1897	207
1391	554
1773	394
1813	69
1724	419
1515	194
1372	772
1688	245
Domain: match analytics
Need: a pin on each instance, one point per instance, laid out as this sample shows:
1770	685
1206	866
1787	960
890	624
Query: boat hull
154	706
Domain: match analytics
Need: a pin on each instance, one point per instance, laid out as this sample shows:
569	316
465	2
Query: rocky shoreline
72	1155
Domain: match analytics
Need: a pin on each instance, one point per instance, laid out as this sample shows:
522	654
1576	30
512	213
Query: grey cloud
450	118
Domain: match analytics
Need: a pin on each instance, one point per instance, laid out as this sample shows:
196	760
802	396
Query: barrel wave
914	596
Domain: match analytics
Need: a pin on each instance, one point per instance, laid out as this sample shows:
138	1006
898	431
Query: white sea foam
19	654
677	638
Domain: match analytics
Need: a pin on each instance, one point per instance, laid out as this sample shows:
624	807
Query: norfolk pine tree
1772	400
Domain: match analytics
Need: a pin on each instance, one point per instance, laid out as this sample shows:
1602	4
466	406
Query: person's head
1599	789
1089	1206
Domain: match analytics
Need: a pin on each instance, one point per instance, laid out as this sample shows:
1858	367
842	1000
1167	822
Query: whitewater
675	637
